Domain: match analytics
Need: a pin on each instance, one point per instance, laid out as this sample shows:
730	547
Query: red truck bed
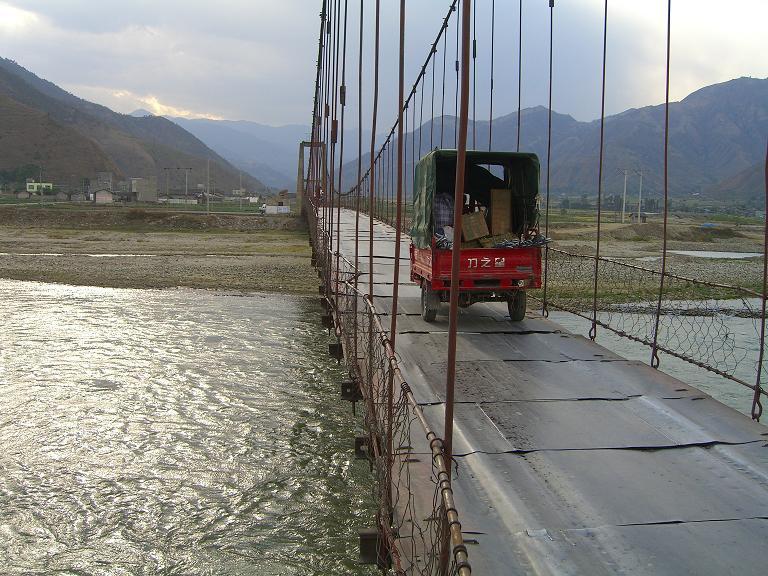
481	269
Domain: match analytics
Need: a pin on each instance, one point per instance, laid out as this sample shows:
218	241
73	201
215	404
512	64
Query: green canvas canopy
436	172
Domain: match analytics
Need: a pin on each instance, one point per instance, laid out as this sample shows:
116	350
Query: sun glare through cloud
153	104
14	19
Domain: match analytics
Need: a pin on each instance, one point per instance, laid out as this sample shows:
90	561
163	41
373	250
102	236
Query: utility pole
624	198
167	187
640	196
186	186
208	188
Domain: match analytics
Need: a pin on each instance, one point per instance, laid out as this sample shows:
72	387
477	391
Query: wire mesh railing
417	518
693	320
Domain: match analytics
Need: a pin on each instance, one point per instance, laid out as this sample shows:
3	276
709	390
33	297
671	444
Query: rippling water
172	432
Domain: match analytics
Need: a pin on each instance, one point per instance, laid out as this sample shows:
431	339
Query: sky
255	59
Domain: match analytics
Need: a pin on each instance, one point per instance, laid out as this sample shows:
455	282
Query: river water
173	432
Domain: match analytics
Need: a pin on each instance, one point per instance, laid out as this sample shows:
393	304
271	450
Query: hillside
268	153
264	152
31	137
138	147
747	184
716	133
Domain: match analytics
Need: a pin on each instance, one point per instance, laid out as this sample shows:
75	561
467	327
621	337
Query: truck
500	239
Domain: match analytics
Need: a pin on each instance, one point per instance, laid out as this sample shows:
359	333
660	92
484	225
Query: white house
36	187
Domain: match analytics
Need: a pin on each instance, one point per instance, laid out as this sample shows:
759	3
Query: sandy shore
238	253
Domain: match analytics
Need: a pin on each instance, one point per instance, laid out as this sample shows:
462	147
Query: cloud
255	59
14	20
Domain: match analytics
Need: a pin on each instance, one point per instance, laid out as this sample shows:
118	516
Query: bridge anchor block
335	350
350	391
373	549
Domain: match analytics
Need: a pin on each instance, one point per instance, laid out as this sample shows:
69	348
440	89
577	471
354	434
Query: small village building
277	209
38	187
102	197
143	190
104	181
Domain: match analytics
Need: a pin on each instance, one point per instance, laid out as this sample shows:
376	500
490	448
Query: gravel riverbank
109	248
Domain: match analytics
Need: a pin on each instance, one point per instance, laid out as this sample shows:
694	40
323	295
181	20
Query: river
173	432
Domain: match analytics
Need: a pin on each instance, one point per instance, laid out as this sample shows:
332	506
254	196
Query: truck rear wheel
430	302
516	304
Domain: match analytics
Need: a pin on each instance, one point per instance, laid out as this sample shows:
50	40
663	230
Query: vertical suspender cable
421	117
757	405
474	76
398	215
326	138
392	185
454	531
458	204
655	350
544	309
442	100
409	178
372	171
456	92
519	72
405	140
343	104
359	155
593	329
334	138
490	103
392	193
315	113
432	121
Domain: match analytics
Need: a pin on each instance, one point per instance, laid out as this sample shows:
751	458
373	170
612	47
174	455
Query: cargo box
473	226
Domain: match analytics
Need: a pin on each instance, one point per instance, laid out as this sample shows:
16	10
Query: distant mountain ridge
716	133
268	153
136	146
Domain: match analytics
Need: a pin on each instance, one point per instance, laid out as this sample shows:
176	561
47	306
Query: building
103	182
38	187
277	209
143	190
102	197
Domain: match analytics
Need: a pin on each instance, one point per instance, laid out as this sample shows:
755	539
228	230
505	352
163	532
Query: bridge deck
571	459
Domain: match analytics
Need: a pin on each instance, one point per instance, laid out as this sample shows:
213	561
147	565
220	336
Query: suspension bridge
505	447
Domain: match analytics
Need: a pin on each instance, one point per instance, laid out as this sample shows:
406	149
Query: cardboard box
501	211
473	226
471	244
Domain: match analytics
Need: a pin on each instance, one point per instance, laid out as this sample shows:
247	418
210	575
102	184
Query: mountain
264	152
717	140
749	184
268	153
150	147
30	137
